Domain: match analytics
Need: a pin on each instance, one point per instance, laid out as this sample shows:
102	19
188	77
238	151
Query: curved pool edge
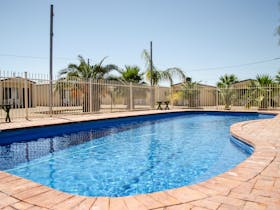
251	184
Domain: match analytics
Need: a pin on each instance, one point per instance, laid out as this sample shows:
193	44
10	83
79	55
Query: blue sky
189	34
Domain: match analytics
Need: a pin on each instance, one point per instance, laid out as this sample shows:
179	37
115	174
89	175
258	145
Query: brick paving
253	184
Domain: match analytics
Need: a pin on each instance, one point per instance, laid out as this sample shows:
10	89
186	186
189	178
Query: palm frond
174	71
102	60
277	77
146	56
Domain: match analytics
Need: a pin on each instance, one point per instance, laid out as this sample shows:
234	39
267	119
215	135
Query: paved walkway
253	184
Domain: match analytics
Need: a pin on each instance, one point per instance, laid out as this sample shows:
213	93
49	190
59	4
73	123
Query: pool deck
253	184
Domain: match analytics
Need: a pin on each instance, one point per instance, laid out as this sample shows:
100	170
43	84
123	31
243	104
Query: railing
245	97
29	96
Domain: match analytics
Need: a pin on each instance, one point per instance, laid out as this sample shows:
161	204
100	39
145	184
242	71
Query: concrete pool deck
253	184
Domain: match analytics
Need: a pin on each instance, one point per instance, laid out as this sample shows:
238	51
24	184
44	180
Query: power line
197	69
235	66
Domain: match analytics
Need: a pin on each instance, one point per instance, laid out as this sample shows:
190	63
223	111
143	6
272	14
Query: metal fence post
171	96
269	96
1	90
158	93
152	95
25	95
90	95
50	98
217	98
131	96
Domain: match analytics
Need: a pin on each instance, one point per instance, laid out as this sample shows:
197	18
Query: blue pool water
126	156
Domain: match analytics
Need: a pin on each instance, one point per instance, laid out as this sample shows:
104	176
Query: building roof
243	81
21	78
200	84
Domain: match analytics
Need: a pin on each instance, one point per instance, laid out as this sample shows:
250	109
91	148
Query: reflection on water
16	153
13	154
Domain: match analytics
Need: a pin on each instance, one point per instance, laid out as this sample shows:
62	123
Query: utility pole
51	62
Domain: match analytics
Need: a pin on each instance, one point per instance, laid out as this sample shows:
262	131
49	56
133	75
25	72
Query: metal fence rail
245	97
29	96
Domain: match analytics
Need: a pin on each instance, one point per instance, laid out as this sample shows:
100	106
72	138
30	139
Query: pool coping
250	185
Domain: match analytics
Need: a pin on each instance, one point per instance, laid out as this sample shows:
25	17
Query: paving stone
206	203
3	174
227	200
179	207
21	205
254	206
48	199
148	201
277	183
7	179
117	203
203	189
85	204
134	204
17	186
245	187
224	206
6	200
32	192
9	208
199	208
184	194
267	200
101	203
264	184
36	208
266	193
70	203
164	198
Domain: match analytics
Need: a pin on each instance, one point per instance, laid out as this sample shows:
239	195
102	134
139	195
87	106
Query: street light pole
51	62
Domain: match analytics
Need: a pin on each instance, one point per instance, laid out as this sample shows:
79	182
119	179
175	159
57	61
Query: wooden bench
159	103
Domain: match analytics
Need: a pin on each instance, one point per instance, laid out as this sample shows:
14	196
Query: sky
204	38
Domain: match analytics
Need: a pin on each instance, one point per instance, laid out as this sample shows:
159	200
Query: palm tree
277	77
262	92
191	92
159	75
129	74
84	72
225	88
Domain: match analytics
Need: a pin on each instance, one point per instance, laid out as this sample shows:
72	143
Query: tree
226	90
159	75
129	74
277	77
191	92
262	92
85	72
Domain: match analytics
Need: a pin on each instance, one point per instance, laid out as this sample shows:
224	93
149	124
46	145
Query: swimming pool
126	156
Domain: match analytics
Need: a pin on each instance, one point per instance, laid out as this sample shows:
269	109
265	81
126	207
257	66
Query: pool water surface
127	156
